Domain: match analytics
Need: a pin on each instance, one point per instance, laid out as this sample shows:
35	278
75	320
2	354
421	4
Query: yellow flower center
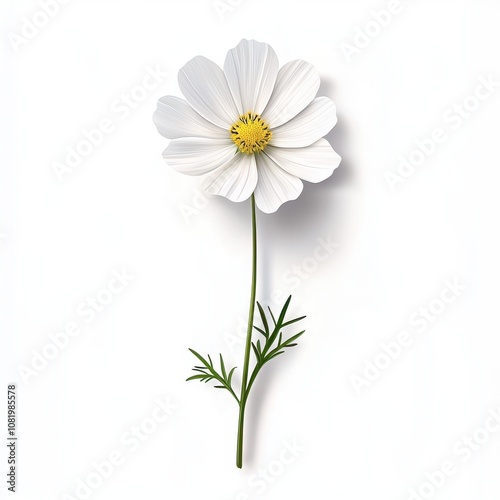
251	134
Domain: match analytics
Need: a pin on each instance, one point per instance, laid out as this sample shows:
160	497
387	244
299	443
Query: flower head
250	127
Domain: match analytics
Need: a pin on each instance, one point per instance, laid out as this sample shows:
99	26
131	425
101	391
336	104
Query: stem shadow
318	212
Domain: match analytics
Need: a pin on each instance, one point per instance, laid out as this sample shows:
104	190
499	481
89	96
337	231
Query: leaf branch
274	344
208	372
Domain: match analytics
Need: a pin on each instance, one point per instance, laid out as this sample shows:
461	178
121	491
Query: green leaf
256	352
283	311
207	373
288	323
222	368
199	356
274	354
260	330
194	377
230	376
292	339
272	315
264	320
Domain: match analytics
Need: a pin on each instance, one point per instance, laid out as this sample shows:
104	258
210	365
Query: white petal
236	180
197	156
308	126
313	163
251	70
205	87
275	186
175	118
296	86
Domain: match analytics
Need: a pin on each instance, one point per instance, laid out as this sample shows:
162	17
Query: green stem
248	347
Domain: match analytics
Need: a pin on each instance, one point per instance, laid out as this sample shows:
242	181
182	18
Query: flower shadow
294	229
289	235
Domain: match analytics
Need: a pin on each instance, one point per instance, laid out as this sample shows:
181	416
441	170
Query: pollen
251	133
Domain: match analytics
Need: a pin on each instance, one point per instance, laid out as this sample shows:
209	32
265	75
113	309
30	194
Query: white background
122	208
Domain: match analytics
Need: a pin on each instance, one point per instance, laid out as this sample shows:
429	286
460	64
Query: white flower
252	127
